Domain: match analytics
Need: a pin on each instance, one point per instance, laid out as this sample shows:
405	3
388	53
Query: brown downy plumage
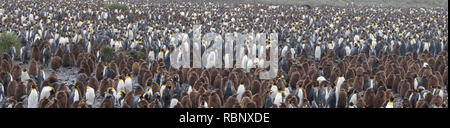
68	60
32	68
30	83
245	100
358	83
107	103
104	85
237	105
389	82
56	62
19	105
93	82
11	89
148	77
404	88
142	69
52	78
247	93
115	68
255	87
342	101
19	91
16	72
123	67
36	53
62	98
428	98
436	101
84	67
258	100
99	71
217	84
53	104
396	82
421	104
214	101
128	99
186	102
82	104
231	101
369	98
135	67
380	97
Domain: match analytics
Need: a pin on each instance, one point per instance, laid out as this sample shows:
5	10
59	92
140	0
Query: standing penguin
240	91
90	95
332	99
229	91
40	78
278	98
121	85
317	53
46	92
23	54
269	101
46	56
300	95
24	77
166	97
313	93
417	81
33	98
74	95
12	51
371	83
128	84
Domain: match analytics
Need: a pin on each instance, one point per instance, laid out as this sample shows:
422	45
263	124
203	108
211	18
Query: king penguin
33	98
390	103
229	91
90	96
300	95
46	92
268	100
128	83
240	91
317	53
278	98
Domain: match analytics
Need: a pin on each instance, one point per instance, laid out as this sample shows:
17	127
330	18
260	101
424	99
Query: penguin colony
330	57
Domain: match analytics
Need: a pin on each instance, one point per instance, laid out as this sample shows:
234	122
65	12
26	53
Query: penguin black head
33	86
391	99
269	92
351	104
52	92
110	90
